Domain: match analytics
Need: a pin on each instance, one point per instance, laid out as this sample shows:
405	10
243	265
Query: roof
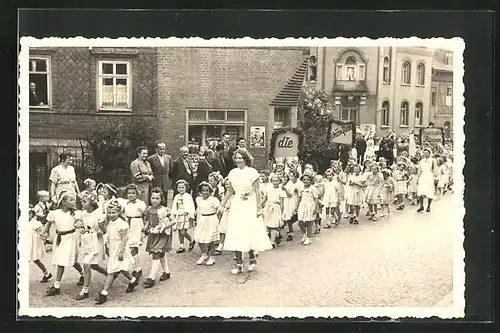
289	94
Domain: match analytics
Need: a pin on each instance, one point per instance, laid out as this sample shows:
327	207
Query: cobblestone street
401	261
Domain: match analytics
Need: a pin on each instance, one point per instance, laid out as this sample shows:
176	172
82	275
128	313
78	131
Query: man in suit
161	164
360	147
218	162
181	169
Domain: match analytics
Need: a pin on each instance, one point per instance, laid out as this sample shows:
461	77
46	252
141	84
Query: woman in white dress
425	187
246	231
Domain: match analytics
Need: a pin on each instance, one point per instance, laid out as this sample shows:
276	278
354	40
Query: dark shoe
138	274
165	276
273	245
351	220
368	213
52	291
278	239
80	281
355	221
289	237
191	245
83	296
317	231
100	299
428	209
131	286
217	252
181	250
420	210
149	283
327	226
46	278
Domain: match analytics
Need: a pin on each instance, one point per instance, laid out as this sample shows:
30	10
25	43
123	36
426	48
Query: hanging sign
431	136
286	142
342	132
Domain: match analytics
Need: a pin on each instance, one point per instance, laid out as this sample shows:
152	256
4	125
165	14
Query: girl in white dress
412	183
273	207
91	242
183	213
425	186
134	213
355	198
330	200
444	176
370	150
374	181
400	184
120	259
291	202
246	231
65	247
223	220
308	207
341	181
36	245
206	232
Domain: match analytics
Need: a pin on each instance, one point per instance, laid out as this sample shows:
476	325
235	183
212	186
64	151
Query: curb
446	301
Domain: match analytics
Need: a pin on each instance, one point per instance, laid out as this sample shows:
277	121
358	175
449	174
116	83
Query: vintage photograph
276	178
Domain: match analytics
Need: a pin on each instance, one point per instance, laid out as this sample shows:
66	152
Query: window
433	96
361	72
418	114
403	121
448	58
350	114
281	117
39	74
350	66
386	72
114	85
449	97
420	74
205	127
313	63
405	73
385	114
339	72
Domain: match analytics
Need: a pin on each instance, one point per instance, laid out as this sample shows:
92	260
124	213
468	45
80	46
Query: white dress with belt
245	231
425	185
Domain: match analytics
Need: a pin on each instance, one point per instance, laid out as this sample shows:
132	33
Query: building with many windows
441	99
74	89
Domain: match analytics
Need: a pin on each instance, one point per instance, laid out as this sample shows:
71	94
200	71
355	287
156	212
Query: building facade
205	92
441	98
74	89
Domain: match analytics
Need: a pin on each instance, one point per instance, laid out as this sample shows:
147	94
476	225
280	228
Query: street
401	261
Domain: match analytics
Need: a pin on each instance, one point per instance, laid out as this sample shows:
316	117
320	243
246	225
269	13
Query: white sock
104	292
85	290
57	284
164	265
132	280
137	267
155	265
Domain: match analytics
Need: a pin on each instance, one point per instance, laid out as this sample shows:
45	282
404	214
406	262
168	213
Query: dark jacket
179	172
161	172
360	144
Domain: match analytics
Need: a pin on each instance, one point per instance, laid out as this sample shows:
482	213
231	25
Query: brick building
385	87
441	99
77	88
204	92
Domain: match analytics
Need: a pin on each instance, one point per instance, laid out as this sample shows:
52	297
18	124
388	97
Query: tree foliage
110	147
315	111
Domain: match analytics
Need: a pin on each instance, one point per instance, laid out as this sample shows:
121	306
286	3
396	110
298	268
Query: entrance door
39	174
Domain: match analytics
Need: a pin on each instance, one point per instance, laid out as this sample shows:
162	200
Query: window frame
386	67
448	99
386	107
48	73
406	113
421	111
350	110
403	82
448	58
361	72
101	76
223	124
420	75
339	72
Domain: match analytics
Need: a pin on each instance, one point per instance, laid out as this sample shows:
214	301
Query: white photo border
455	310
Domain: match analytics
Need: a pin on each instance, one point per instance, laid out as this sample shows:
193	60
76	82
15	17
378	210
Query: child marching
374	181
386	193
36	245
308	206
291	202
273	208
355	197
223	220
206	233
330	200
400	184
158	225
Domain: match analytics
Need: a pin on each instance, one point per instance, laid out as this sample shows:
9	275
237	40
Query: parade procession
224	170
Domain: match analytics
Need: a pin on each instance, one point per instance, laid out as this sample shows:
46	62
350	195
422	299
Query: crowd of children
98	224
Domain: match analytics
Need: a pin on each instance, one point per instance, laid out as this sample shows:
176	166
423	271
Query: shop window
39	76
115	91
386	71
418	114
385	114
205	127
449	97
404	114
420	74
405	73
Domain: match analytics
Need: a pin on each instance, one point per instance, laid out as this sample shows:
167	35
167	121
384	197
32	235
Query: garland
342	122
282	130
